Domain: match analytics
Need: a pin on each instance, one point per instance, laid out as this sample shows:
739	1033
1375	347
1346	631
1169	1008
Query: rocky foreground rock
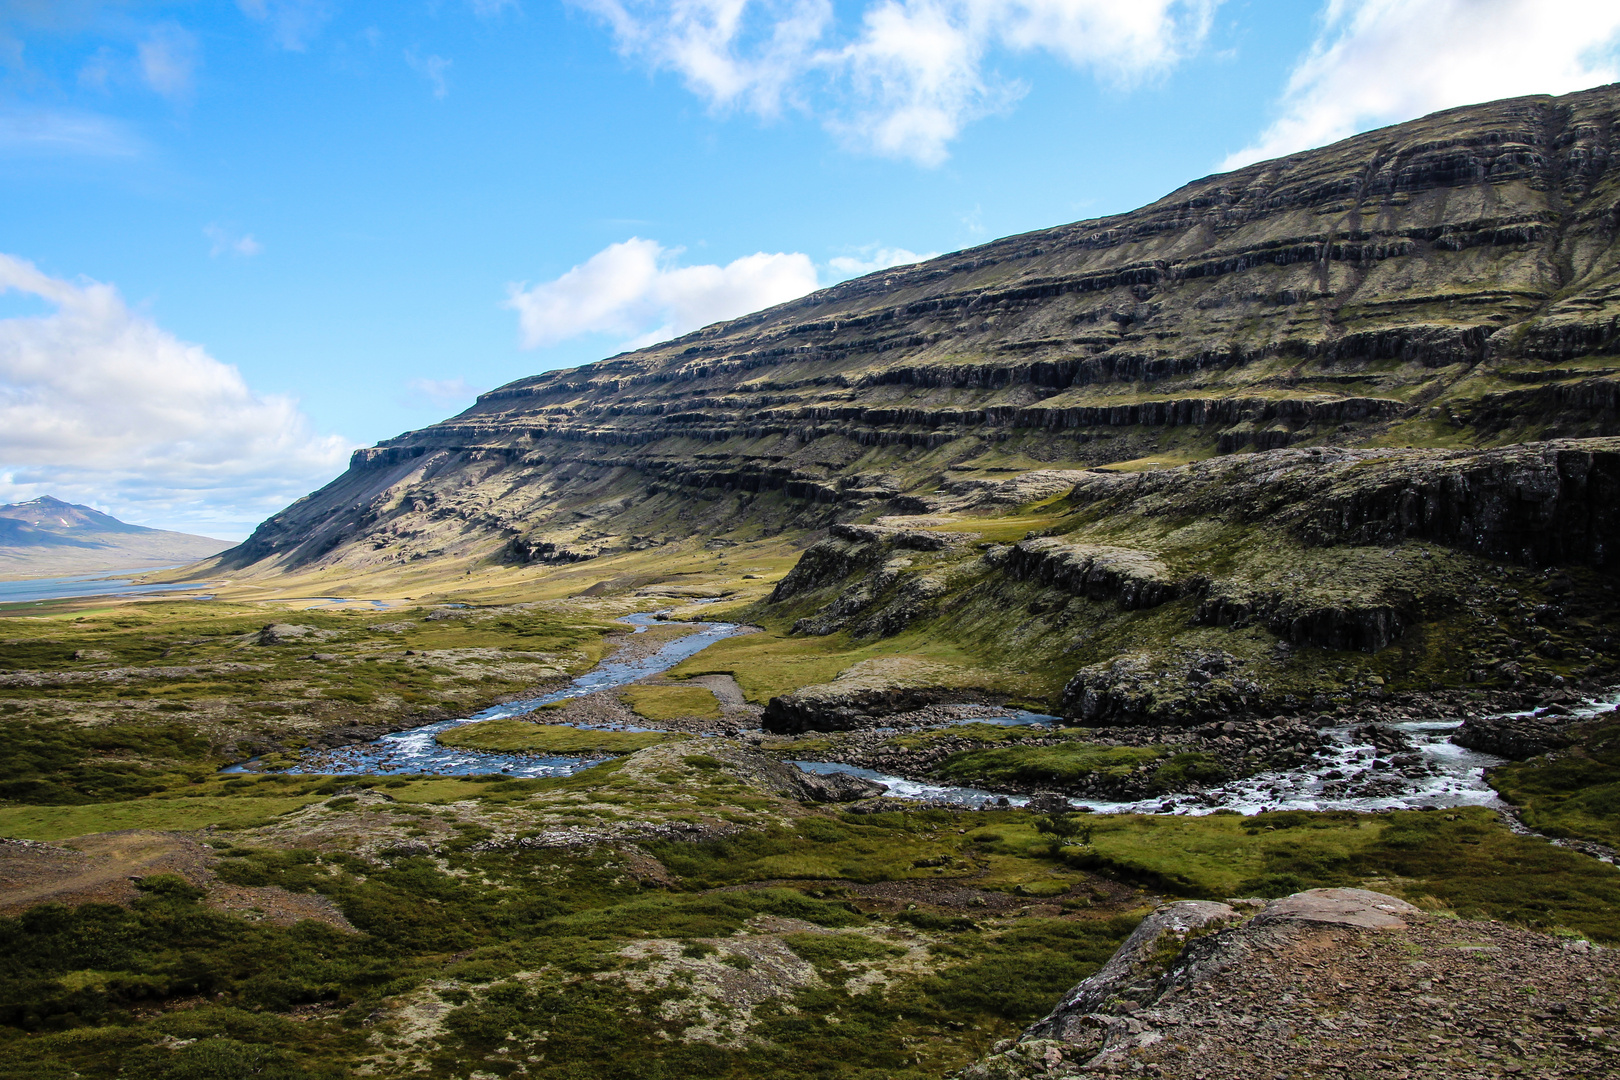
1329	982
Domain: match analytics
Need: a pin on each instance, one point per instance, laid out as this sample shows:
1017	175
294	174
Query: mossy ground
1066	763
1572	793
142	698
1069	764
535	963
601	959
1467	621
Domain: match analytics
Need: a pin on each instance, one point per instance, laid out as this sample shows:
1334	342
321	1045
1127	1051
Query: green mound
515	736
671	702
1065	763
1574	793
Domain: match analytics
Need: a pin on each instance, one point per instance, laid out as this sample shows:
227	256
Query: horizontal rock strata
1414	275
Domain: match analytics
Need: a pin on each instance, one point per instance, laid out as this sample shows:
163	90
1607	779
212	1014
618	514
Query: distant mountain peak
48	512
47	534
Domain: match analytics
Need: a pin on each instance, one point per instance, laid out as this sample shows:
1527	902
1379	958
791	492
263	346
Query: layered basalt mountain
1450	280
1236	421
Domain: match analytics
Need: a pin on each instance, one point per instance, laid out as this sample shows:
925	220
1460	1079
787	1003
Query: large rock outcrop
1325	982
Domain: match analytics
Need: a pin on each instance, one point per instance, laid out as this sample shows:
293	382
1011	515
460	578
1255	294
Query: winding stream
1350	777
1345	780
416	751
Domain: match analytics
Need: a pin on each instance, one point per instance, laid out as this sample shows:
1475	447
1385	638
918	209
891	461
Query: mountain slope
1452	280
1401	303
46	536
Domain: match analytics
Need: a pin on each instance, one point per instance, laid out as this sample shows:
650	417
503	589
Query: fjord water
76	585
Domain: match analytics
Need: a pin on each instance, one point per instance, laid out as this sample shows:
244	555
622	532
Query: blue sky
239	239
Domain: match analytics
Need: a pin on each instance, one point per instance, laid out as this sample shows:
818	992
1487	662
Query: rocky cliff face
1445	281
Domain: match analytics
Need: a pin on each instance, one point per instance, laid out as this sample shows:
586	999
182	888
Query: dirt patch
724	688
276	906
639	646
102	868
604	709
99	868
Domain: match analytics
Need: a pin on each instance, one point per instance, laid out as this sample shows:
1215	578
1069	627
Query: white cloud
912	73
918	77
634	291
167	59
1380	61
432	68
873	258
730	52
293	24
224	241
99	403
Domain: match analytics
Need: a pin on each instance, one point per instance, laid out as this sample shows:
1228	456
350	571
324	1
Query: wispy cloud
910	74
293	24
432	68
61	131
1380	61
636	292
98	72
223	241
489	9
99	401
167	59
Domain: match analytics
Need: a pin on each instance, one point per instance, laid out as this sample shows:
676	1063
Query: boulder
1172	957
1515	737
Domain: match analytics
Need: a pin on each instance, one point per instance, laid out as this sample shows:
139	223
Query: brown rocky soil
1331	983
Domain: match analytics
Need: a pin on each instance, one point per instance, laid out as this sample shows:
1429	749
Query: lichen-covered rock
882	589
281	633
1343	982
1364	629
1132	973
1139	997
1136	689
